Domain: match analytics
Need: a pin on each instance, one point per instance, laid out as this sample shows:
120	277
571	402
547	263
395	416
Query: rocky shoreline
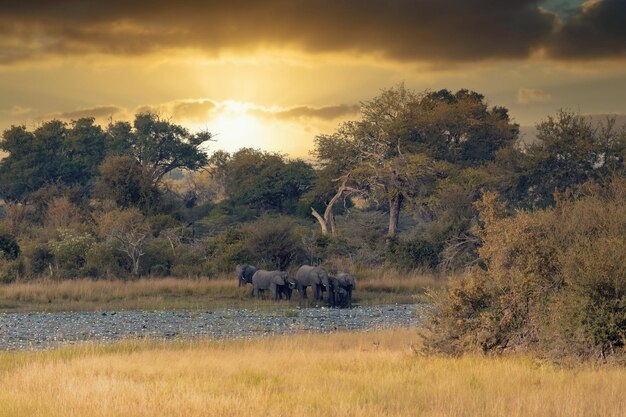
34	331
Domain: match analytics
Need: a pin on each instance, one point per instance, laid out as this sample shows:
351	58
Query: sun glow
234	127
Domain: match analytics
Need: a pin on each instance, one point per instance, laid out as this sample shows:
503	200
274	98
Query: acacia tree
404	141
374	153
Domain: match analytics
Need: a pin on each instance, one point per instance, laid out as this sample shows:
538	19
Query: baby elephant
275	281
340	290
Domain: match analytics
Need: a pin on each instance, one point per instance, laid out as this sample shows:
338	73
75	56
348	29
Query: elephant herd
280	284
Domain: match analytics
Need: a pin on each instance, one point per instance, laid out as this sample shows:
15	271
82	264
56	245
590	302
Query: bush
9	249
40	260
272	243
70	250
413	253
555	282
103	260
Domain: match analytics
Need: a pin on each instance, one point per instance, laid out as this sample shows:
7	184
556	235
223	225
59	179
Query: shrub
70	250
273	243
9	249
104	260
555	282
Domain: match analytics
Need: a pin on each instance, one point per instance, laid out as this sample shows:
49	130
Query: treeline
400	186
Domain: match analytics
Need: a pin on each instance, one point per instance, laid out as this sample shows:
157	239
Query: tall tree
570	151
158	145
404	140
263	181
55	152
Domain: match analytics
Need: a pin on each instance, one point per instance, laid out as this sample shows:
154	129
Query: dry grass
170	293
344	374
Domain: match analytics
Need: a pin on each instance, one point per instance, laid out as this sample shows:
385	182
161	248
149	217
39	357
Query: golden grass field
343	374
376	287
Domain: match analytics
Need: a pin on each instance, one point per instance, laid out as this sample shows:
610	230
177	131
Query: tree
570	151
264	181
55	152
130	230
124	181
159	146
404	141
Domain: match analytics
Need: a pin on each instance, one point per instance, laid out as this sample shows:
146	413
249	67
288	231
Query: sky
273	74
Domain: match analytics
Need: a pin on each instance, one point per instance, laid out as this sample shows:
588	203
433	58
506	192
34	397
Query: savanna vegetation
342	374
436	181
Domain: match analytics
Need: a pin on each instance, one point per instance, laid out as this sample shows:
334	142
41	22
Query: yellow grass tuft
344	374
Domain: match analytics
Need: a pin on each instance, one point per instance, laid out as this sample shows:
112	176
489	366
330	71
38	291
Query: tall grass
344	374
373	287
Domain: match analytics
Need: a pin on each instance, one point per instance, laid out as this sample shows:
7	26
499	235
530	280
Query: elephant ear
278	279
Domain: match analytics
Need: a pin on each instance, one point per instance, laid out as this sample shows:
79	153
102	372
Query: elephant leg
317	292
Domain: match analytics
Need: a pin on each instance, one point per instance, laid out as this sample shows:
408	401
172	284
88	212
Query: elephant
311	276
275	281
340	290
244	274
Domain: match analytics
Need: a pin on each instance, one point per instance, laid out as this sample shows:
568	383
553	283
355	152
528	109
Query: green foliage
9	248
411	254
264	181
54	152
70	250
272	243
158	146
570	151
41	259
104	260
124	181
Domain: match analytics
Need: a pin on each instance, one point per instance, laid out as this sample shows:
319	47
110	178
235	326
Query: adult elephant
275	281
244	274
340	290
314	277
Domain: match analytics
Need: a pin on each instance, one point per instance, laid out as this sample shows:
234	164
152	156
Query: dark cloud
596	30
434	30
308	112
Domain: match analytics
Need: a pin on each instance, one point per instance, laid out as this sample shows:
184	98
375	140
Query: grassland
343	374
375	287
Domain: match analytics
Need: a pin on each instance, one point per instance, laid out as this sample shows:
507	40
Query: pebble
35	331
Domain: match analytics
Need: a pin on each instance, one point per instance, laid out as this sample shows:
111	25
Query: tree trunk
321	220
136	267
328	220
395	203
333	225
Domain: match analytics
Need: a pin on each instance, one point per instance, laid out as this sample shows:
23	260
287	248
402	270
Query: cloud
300	113
100	113
180	110
206	110
406	30
19	110
596	30
532	95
